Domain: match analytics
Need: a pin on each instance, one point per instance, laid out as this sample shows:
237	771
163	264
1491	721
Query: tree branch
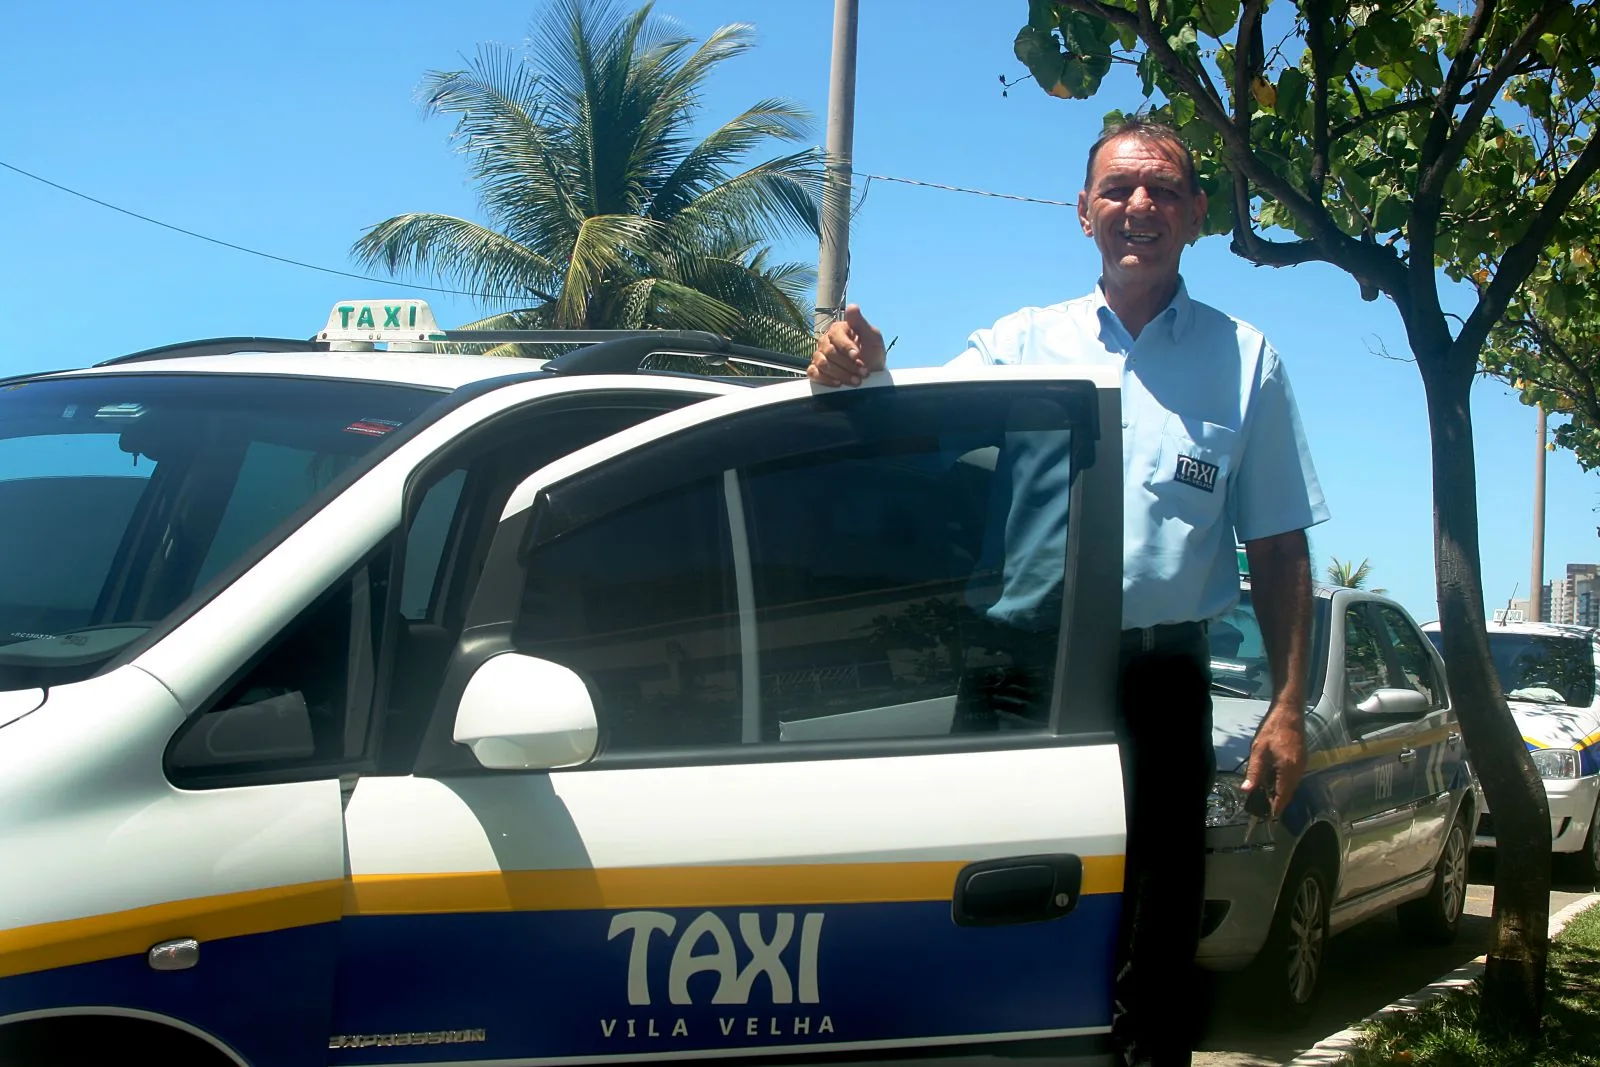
1519	260
1244	67
1588	398
1461	69
1247	244
1345	129
1372	265
1321	60
1440	153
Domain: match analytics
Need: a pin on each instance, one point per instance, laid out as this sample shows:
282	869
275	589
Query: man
1213	450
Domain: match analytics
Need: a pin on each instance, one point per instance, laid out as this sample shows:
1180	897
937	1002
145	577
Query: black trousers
1168	763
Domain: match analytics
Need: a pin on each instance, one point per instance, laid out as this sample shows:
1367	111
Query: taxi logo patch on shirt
1196	472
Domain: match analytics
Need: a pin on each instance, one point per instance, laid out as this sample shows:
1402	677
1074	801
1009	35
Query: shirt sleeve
1275	487
1000	343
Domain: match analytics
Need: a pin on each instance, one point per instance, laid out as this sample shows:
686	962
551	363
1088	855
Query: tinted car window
1411	655
641	605
1365	669
135	490
889	566
1557	670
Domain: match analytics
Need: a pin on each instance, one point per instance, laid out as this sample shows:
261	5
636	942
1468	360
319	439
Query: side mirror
1388	707
519	713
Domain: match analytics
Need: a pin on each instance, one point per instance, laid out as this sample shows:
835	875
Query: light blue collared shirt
1212	448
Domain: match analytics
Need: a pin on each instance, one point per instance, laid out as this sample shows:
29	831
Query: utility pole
1536	590
833	262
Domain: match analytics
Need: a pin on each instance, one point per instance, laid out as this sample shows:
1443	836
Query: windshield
1543	668
1239	664
123	495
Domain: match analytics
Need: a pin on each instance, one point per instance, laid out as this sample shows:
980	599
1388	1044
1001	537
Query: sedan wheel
1288	971
1434	918
1307	932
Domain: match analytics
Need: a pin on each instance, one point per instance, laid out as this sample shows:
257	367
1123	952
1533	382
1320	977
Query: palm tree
1349	574
603	211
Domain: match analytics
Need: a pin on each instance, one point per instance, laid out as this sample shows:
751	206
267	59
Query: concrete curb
1338	1049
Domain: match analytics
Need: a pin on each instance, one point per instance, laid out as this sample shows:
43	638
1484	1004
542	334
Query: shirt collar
1177	315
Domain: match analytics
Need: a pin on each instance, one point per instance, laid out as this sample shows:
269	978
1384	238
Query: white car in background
1548	674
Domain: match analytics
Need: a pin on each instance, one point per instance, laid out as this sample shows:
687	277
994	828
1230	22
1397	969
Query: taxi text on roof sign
381	320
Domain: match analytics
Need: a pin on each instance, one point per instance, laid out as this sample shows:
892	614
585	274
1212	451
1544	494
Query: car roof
1539	629
426	369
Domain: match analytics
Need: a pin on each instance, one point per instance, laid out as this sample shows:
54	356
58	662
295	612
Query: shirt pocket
1190	478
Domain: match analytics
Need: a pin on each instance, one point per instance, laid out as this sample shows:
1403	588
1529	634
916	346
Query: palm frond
606	246
672	305
772	199
603	209
473	255
703	167
516	157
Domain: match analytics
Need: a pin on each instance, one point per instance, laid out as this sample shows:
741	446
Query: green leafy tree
1349	574
1548	346
603	211
1413	145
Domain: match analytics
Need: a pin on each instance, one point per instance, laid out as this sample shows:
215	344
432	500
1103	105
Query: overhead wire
249	251
286	260
960	189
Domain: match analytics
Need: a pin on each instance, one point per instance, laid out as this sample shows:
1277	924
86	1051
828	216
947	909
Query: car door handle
1407	755
1022	889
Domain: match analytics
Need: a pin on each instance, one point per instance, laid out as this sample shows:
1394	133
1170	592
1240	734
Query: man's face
1139	210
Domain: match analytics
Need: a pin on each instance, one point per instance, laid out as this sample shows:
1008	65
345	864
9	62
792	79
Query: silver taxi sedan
1381	819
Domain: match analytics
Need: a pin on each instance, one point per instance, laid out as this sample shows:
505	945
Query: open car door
781	723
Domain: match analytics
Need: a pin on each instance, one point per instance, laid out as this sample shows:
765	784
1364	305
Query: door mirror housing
519	713
1389	707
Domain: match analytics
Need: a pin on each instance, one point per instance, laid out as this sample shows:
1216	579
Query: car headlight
1556	762
1225	805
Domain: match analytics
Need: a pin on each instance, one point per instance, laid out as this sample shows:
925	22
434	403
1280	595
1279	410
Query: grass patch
1444	1034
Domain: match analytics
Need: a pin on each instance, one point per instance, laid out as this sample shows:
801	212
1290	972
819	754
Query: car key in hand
1258	805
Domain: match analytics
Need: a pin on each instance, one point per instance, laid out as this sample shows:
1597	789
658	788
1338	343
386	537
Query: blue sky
291	126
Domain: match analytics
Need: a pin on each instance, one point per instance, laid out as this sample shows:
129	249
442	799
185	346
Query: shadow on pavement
1368	968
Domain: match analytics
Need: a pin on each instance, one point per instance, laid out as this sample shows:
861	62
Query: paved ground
1368	967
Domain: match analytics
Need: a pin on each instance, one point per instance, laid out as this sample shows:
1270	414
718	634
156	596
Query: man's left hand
1278	756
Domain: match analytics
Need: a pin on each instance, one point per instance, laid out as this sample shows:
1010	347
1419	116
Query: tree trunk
1514	979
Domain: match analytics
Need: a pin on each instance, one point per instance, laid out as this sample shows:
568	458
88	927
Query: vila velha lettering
707	944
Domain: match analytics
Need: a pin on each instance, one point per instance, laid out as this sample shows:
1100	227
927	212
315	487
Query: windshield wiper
1218	687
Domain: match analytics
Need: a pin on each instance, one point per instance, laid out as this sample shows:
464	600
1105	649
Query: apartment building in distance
1575	598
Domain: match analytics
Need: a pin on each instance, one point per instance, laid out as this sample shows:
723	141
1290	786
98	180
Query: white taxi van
1548	673
365	702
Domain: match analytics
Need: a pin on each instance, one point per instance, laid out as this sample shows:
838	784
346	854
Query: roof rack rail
598	351
217	346
627	355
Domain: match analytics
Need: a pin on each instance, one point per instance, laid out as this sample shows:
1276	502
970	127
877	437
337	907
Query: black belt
1147	638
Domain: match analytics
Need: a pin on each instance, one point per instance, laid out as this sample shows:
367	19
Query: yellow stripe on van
46	946
124	933
676	887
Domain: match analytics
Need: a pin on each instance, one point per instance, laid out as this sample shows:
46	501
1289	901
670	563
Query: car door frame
1433	743
1376	815
1089	649
1087	652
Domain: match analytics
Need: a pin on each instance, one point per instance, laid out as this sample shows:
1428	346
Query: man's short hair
1144	128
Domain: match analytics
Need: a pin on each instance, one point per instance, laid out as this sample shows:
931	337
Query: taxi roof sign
369	321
